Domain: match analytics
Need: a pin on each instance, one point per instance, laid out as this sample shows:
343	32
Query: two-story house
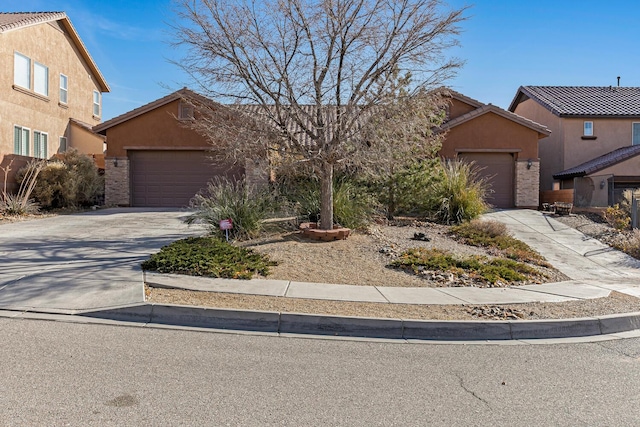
50	89
594	145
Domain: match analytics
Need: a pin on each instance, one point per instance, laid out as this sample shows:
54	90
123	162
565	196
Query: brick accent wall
527	185
116	191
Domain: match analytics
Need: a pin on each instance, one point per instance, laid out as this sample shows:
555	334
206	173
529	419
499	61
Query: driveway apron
83	261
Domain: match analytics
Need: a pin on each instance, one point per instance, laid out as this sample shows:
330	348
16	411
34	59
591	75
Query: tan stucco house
50	88
593	147
502	144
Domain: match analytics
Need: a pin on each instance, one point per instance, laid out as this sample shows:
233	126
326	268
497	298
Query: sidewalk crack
471	392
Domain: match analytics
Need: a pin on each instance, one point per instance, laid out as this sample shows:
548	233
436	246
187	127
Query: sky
505	44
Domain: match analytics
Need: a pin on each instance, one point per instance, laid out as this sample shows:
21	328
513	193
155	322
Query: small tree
316	70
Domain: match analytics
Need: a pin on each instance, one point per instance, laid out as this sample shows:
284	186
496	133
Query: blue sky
506	44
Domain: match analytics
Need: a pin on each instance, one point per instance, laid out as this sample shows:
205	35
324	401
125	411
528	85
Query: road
58	374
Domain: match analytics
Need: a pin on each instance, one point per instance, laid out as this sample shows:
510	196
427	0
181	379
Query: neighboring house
50	89
592	148
154	159
502	144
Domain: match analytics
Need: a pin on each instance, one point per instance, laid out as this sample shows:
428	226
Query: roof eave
101	81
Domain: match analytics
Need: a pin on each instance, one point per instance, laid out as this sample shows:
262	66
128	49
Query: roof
10	21
583	101
599	163
489	108
83	125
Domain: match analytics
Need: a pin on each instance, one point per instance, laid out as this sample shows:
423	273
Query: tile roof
599	163
489	108
15	20
583	101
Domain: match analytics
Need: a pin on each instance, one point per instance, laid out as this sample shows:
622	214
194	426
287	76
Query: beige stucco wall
49	45
85	141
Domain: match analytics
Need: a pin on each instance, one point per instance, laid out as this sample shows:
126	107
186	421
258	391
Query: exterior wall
85	141
550	149
156	129
24	107
491	132
458	108
117	189
630	167
610	134
527	188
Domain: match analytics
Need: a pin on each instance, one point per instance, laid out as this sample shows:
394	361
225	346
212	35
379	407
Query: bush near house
70	181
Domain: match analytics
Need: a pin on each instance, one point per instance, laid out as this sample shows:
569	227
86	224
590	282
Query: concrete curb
298	323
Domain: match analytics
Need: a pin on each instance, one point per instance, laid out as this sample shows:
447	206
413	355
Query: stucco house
593	146
154	159
503	145
50	89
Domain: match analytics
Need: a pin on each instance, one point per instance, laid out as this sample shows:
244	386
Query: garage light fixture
529	164
115	163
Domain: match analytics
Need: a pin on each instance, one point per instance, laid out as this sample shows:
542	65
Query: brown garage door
171	178
498	169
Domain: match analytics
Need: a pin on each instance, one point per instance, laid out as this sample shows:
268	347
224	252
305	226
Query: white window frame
18	72
21	148
40	144
63	144
40	79
97	107
635	133
587	128
64	89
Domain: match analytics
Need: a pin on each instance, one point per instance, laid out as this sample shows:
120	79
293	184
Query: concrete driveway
83	261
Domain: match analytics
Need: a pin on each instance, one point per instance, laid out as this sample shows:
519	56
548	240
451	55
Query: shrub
460	194
21	202
71	181
617	217
208	256
489	270
246	205
353	204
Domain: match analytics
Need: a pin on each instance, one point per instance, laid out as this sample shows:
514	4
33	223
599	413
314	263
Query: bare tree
315	69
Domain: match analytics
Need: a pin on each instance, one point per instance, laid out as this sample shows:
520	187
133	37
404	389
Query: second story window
96	103
588	129
40	79
21	70
64	88
636	134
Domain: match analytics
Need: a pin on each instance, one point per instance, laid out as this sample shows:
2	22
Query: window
40	79
21	71
64	88
20	140
636	134
63	144
588	129
185	111
40	140
96	103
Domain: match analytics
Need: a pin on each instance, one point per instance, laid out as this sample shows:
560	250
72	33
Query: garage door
171	178
498	169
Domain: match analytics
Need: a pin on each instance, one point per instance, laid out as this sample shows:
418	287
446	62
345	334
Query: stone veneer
116	192
527	191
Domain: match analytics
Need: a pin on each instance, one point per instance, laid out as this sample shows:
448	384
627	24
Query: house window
63	144
588	129
21	71
40	79
96	103
636	134
64	88
20	140
40	140
185	111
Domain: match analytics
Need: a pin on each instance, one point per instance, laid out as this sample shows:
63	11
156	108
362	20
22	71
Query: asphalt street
57	373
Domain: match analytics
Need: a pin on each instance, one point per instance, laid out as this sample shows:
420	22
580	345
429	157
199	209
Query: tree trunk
326	197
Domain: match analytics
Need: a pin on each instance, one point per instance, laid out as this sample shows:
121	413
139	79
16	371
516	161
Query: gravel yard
361	260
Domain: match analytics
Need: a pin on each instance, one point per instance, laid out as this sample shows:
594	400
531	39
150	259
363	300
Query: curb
365	327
